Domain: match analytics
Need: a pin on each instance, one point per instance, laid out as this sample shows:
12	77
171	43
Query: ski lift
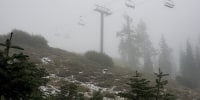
169	4
104	9
81	22
130	4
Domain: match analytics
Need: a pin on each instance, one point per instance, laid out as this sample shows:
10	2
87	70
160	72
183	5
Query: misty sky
57	20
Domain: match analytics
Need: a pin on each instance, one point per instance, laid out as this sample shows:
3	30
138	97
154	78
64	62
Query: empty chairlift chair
169	3
130	3
81	22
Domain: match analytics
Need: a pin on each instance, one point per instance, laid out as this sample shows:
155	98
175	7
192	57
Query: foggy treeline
52	50
137	50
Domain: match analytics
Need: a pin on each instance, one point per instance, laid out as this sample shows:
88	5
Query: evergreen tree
165	62
190	62
160	91
127	46
140	89
183	69
135	45
68	92
188	68
19	78
144	44
148	64
197	59
97	96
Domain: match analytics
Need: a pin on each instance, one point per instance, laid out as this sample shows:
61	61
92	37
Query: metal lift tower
103	11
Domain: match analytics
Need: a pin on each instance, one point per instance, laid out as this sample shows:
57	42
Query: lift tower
103	11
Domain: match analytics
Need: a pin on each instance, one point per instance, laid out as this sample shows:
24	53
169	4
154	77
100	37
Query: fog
57	21
156	38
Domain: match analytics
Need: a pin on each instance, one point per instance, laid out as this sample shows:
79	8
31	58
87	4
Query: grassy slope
67	63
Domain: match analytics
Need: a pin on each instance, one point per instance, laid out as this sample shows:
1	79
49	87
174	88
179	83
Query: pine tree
97	96
165	59
127	47
135	45
160	91
144	44
188	68
148	64
69	91
140	89
19	78
197	59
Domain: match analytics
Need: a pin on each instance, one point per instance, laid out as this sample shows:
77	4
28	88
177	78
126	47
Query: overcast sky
57	20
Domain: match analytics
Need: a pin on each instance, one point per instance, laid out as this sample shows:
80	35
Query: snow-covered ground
49	89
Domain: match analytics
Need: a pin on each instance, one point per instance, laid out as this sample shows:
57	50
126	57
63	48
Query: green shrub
99	58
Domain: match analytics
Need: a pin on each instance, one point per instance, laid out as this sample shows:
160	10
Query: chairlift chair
102	8
130	4
169	4
81	22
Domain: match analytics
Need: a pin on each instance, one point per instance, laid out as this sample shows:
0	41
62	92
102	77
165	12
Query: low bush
99	58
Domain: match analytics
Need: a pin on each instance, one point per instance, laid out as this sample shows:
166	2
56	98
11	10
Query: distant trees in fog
190	66
135	45
128	47
137	49
165	57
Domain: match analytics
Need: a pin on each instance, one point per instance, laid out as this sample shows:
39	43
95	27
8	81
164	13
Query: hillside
62	64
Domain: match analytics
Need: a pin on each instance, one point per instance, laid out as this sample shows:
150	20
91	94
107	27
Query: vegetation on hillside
16	69
19	78
141	89
22	38
99	58
135	46
189	67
